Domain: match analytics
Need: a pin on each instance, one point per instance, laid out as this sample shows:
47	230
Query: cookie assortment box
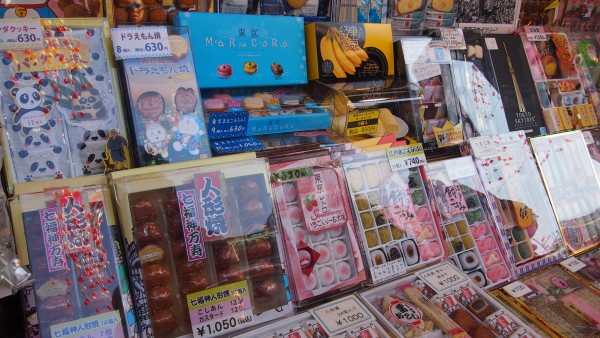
70	240
559	87
67	127
397	228
441	301
165	111
244	50
587	269
565	305
317	227
572	186
135	12
510	176
202	246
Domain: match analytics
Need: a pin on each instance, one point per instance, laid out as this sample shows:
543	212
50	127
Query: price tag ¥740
405	157
140	42
21	34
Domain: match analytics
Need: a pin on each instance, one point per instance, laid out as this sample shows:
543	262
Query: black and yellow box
347	51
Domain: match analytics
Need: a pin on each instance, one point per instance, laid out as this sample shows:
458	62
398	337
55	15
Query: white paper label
517	289
460	167
491	43
443	277
483	147
405	157
423	71
339	315
415	51
535	33
573	264
455	37
21	34
140	42
587	137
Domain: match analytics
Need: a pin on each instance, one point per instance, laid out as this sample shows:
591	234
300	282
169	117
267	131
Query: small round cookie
179	46
297	3
158	15
264	96
171	14
76	11
253	103
124	3
121	14
137	15
213	105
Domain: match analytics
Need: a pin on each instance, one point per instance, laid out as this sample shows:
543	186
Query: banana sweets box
348	51
246	50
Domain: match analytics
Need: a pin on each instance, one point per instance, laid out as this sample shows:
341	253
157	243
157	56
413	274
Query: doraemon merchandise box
165	113
35	9
234	50
60	106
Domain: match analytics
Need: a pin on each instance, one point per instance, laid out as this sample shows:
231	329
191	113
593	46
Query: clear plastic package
61	105
474	237
587	48
510	176
572	186
397	228
318	230
202	246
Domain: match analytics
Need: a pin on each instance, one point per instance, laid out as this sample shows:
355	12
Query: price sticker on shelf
491	43
405	157
535	33
140	42
338	316
483	147
443	277
291	174
217	311
363	122
517	289
21	34
573	264
460	167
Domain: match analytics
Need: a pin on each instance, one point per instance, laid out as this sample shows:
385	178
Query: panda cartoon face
31	107
39	165
92	151
28	97
88	105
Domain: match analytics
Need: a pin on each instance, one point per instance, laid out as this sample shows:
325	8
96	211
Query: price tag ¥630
21	34
140	42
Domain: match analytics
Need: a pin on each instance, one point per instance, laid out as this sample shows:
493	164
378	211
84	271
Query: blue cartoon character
31	107
187	134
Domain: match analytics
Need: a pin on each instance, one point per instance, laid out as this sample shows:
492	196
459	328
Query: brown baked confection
171	14
76	11
480	308
157	15
137	15
464	320
124	3
121	14
94	7
481	332
186	4
62	4
148	3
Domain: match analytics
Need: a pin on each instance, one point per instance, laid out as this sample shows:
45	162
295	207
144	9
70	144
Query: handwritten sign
140	42
213	210
455	198
398	203
455	37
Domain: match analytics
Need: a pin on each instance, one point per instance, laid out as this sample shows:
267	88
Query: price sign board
291	174
443	277
140	42
573	264
405	157
340	315
535	33
364	122
483	147
460	167
21	34
517	289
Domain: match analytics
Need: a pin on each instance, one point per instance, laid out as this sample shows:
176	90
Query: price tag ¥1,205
405	157
21	34
340	315
140	42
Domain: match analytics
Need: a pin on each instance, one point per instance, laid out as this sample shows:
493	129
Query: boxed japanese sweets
441	301
202	246
587	48
70	240
572	186
562	304
515	83
477	89
245	50
311	10
165	115
135	12
348	51
474	241
396	225
60	105
592	141
27	9
510	177
559	88
317	227
326	321
586	267
435	119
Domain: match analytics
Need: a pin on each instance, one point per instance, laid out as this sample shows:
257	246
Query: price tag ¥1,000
291	174
443	277
340	315
405	157
140	42
21	34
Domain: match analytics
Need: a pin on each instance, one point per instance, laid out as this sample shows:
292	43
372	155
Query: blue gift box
235	50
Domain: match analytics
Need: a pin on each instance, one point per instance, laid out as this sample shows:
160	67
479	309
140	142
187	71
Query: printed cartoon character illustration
187	134
41	165
35	9
151	105
157	139
116	151
31	107
185	100
92	151
88	105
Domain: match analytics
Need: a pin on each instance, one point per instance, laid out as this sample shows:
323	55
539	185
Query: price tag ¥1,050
21	34
140	42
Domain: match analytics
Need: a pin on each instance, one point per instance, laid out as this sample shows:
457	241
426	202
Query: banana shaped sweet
345	40
347	66
327	53
348	51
